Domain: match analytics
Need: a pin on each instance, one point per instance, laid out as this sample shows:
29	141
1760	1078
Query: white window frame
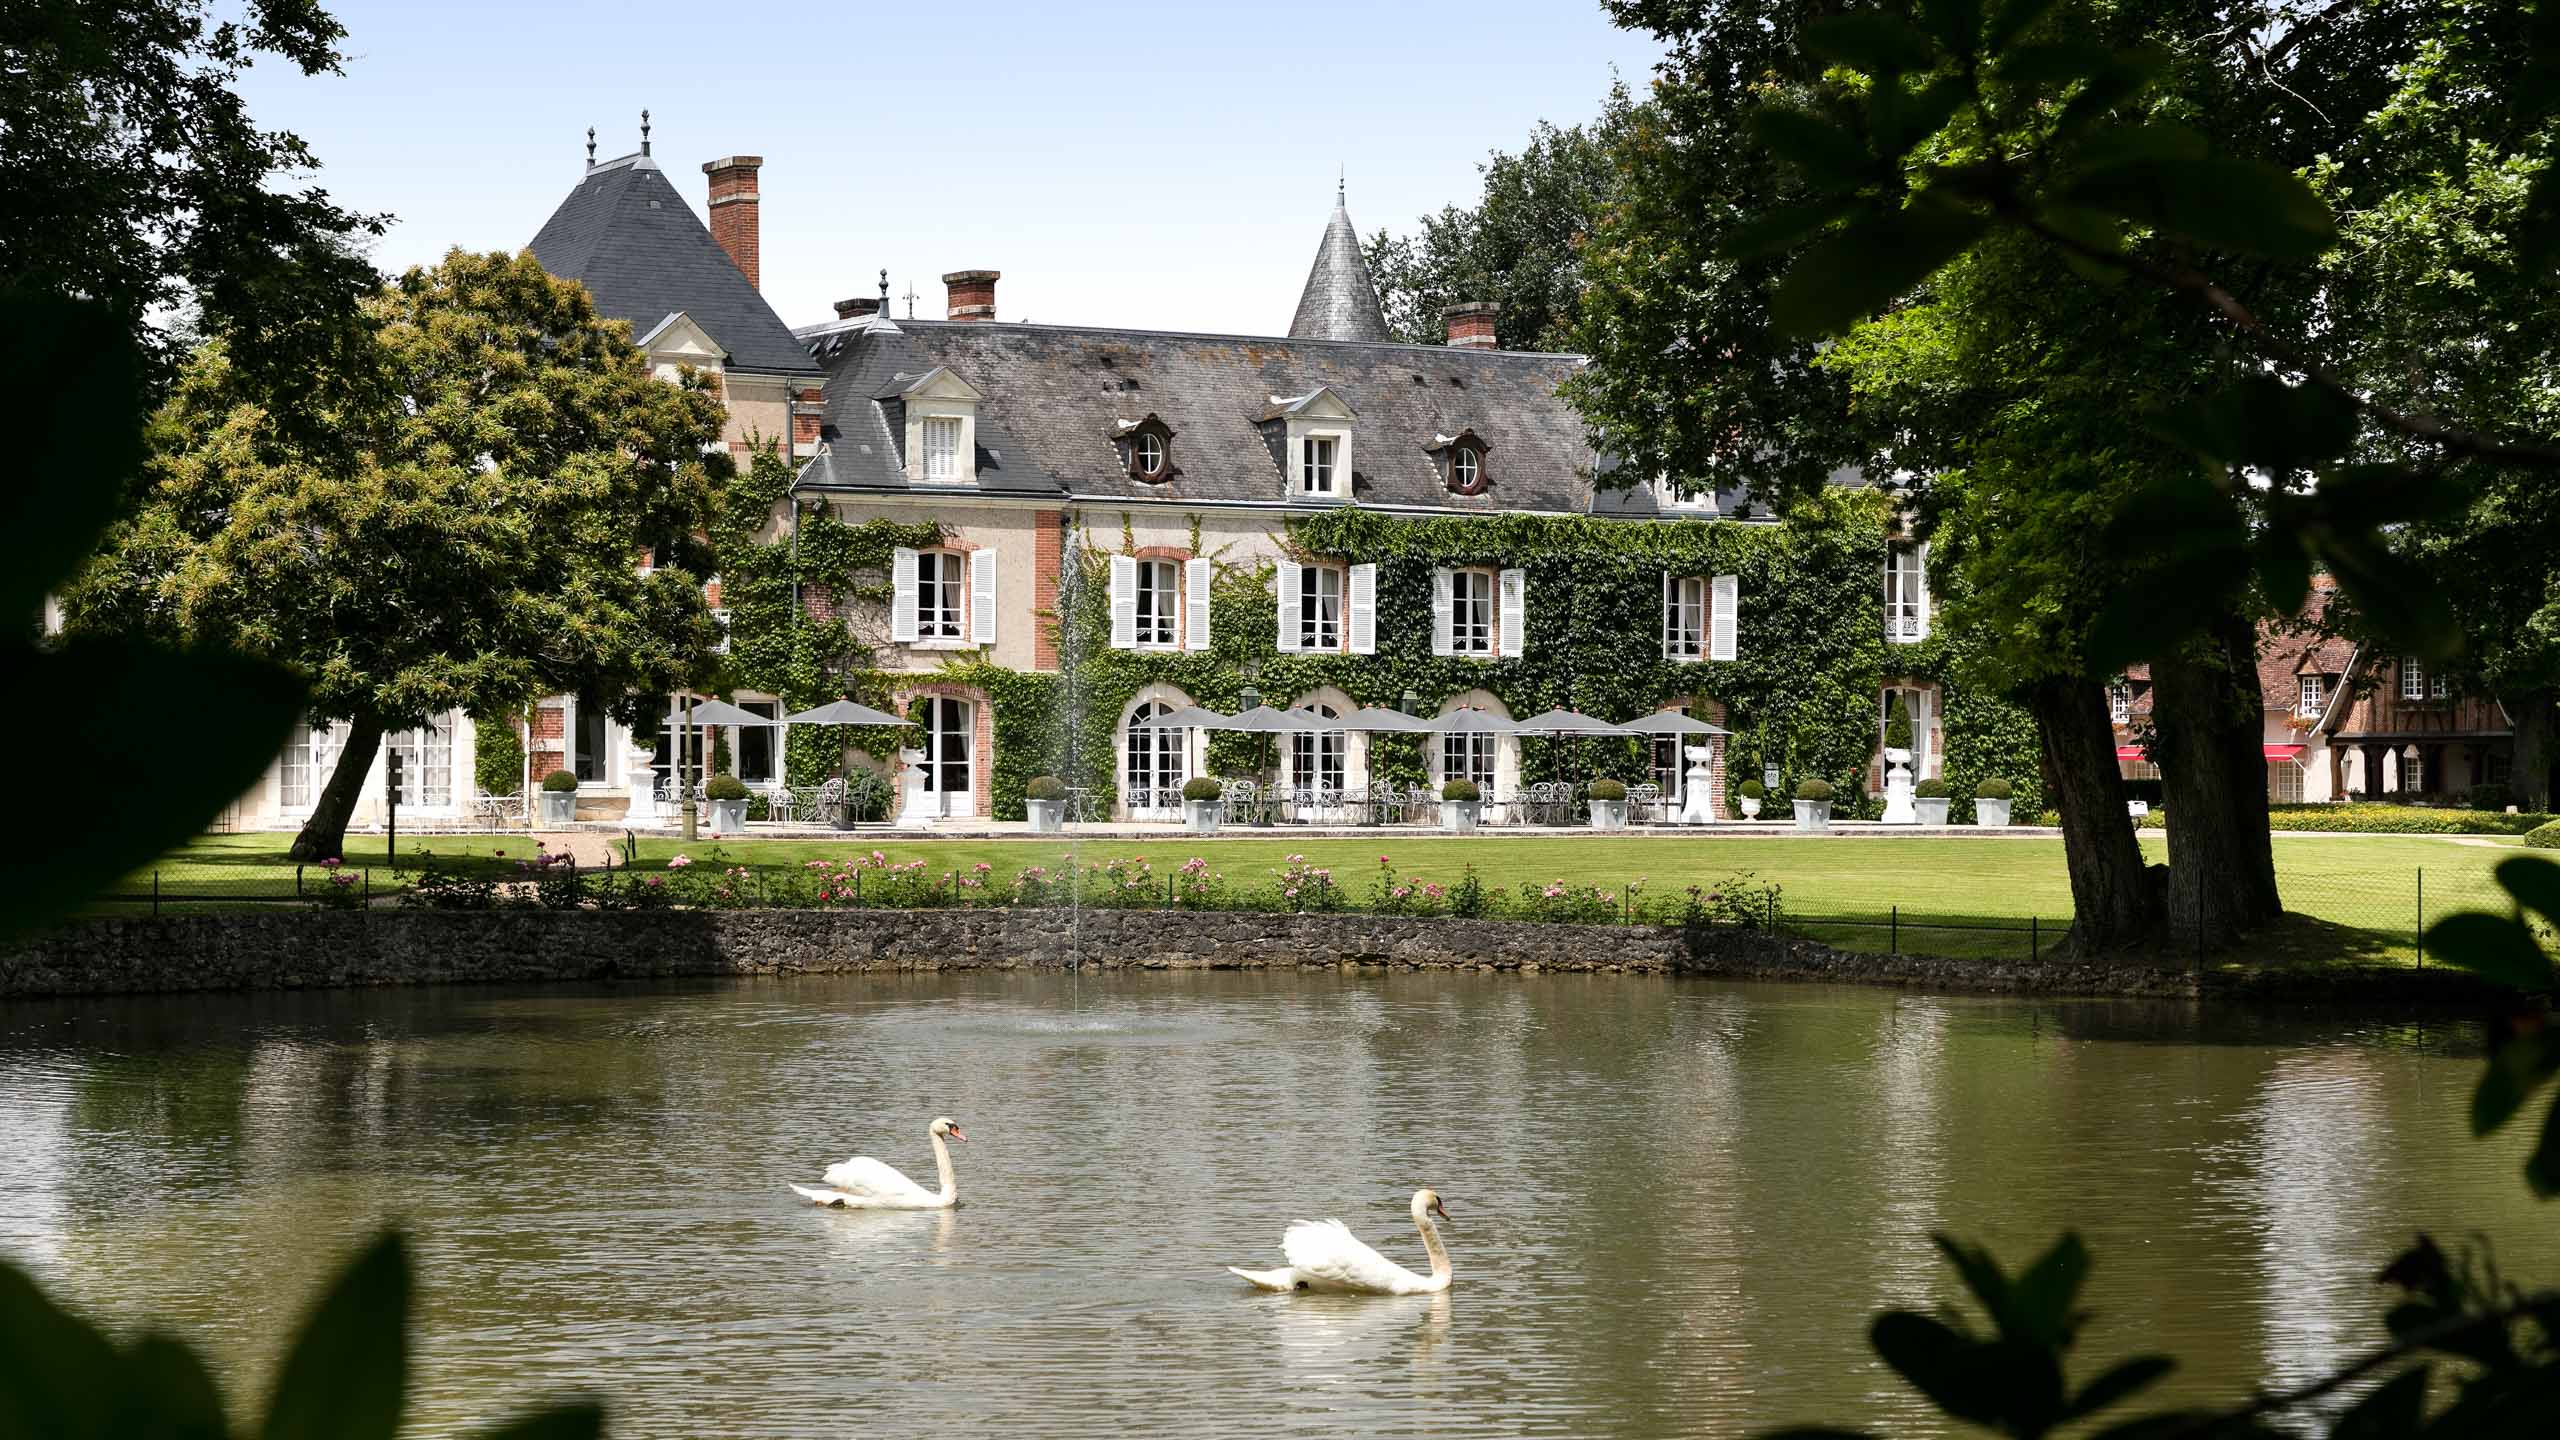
720	617
1321	759
1321	610
1667	496
1319	457
941	449
1138	447
2120	701
1158	597
2413	678
1467	636
942	606
2310	692
426	762
938	397
1684	618
1469	755
1906	592
1466	469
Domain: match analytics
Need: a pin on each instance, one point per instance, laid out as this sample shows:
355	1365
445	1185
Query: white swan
863	1183
1324	1255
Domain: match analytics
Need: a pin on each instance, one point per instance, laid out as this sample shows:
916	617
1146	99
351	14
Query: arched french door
1669	768
1317	759
950	742
1155	763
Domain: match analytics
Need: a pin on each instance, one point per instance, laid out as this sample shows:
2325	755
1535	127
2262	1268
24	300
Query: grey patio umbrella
844	712
721	712
1191	717
1380	718
1672	722
1471	722
1263	720
1569	722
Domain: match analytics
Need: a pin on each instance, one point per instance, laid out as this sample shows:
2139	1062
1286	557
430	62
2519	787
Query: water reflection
1676	1204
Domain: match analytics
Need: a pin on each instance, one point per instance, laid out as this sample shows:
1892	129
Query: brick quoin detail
807	417
735	200
549	749
983	743
1048	542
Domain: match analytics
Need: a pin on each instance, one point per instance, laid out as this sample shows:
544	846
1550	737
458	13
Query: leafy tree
473	543
131	174
1518	246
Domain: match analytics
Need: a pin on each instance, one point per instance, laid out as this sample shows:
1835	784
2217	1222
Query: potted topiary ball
560	798
728	797
1608	805
1749	794
1045	800
1930	798
1991	803
1461	806
1813	804
1202	805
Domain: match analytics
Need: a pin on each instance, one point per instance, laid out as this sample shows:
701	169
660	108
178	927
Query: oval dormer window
1148	455
1466	468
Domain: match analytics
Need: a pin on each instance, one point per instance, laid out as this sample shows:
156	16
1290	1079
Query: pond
1675	1203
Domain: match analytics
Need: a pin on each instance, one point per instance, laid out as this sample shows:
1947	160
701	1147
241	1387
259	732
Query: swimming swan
1323	1255
863	1183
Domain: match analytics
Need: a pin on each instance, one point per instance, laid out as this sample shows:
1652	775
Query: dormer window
1316	457
942	447
1317	443
1149	454
941	426
1667	495
1146	448
1462	462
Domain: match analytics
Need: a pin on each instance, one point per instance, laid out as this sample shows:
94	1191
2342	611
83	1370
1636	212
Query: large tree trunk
2536	714
2210	737
2112	904
324	835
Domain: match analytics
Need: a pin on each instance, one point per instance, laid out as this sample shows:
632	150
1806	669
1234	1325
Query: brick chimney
973	294
857	308
733	211
1471	324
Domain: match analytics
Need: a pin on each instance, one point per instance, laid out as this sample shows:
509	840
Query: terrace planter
1750	807
1048	817
1202	817
1608	814
1932	812
1991	814
729	817
559	807
1813	814
1460	816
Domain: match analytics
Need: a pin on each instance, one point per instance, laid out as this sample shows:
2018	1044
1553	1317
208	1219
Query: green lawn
2360	892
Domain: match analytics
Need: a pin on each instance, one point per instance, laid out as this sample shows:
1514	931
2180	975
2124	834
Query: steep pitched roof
1340	302
1056	397
628	236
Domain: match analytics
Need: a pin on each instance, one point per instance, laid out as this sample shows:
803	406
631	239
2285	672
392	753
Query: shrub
2389	820
2544	837
1814	790
1461	790
866	794
1930	790
2491	797
1993	788
1897	725
497	756
1045	787
559	780
724	787
1563	903
1608	790
1752	790
1468	899
1201	787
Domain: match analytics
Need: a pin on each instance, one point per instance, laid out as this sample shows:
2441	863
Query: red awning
2284	752
2130	752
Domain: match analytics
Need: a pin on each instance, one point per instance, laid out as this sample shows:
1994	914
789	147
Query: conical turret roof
1339	303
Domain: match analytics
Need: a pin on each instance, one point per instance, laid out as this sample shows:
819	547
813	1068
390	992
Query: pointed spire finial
884	289
591	147
1341	186
644	132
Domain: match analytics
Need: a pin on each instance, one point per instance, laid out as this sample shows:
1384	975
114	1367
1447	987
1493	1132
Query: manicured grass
2358	892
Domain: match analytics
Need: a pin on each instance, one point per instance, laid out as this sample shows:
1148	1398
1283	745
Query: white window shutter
1442	604
982	596
1124	602
902	595
1920	583
1290	581
1670	610
1364	609
1724	635
1515	614
1195	598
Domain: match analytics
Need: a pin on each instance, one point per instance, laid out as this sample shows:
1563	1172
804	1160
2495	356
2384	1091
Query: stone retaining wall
302	949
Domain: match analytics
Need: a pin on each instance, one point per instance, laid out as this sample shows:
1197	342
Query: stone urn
643	786
1048	817
1202	817
918	807
1460	816
1813	814
1897	789
1608	814
559	808
1695	809
1933	811
1750	807
1991	814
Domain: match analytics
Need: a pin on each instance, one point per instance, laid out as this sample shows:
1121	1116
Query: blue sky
1162	166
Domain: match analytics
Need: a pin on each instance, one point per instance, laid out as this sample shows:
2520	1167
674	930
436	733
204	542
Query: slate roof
1339	302
637	246
1056	397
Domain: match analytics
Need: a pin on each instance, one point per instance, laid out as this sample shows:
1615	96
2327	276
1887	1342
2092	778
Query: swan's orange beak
1442	1211
956	1135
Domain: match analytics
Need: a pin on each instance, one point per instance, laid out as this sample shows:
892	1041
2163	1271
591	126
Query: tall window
2312	695
426	761
755	744
2120	701
1471	612
1319	608
1667	764
1684	619
1156	762
1315	459
941	447
2413	678
2413	771
939	585
1159	591
1468	757
309	756
1906	610
1317	759
592	759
